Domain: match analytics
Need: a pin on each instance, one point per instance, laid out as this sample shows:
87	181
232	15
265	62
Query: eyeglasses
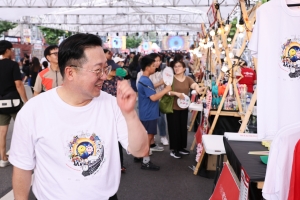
101	70
54	53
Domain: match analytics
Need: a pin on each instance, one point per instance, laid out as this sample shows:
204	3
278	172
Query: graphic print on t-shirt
290	57
86	153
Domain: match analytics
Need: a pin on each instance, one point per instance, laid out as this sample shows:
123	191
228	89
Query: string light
231	55
227	25
209	44
229	39
224	68
241	28
212	33
241	23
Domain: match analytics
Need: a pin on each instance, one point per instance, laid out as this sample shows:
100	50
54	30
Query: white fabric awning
114	15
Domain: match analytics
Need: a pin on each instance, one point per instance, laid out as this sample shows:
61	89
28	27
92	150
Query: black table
237	155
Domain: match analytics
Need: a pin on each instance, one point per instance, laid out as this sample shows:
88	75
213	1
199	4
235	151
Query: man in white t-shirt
69	135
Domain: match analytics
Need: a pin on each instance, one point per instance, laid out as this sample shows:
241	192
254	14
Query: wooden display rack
232	80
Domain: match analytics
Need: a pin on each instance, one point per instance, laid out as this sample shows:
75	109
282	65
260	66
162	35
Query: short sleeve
16	72
22	153
147	87
190	81
254	41
38	84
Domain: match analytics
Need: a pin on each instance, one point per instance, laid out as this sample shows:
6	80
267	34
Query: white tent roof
121	16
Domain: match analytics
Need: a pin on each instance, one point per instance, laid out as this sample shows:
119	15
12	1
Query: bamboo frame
232	80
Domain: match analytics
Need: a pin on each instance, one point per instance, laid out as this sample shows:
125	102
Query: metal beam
124	28
116	6
131	19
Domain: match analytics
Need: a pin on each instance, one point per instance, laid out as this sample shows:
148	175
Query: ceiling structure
122	16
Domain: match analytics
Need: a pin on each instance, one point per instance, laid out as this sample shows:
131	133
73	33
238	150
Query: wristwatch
169	93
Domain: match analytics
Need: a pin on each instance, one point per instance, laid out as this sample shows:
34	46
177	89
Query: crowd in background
123	66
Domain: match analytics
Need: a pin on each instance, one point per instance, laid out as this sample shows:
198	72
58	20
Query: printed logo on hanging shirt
290	57
86	153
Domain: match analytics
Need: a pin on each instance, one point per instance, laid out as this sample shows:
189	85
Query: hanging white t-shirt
276	44
73	150
279	168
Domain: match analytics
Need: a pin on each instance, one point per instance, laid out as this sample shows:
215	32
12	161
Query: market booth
261	153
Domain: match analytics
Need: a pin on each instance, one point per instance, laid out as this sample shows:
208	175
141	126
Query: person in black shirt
10	80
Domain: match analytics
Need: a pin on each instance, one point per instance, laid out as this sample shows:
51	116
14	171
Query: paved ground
175	180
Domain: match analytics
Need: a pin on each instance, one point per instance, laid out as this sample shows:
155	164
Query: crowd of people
78	90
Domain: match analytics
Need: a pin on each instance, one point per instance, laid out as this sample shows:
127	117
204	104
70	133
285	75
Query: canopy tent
122	16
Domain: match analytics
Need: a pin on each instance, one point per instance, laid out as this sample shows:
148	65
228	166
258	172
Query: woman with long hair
34	69
134	69
177	121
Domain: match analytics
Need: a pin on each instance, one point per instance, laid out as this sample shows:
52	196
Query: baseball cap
118	59
113	65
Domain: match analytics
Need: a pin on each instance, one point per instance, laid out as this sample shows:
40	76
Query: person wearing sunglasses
50	77
69	135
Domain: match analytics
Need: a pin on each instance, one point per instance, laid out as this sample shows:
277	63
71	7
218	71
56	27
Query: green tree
5	26
133	42
233	28
52	35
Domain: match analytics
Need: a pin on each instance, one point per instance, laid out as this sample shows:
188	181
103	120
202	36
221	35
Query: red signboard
212	15
244	185
226	188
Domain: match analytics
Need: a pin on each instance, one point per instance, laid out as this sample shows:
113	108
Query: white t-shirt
73	150
276	36
280	161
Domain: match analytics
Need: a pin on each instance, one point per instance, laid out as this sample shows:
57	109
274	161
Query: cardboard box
212	162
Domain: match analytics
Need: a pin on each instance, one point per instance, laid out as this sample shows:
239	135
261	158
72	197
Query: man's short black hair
48	49
146	61
45	64
106	50
4	45
71	50
133	53
154	55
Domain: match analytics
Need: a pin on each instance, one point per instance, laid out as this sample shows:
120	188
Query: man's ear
47	57
70	72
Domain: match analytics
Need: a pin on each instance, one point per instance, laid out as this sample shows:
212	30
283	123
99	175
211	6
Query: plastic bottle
247	102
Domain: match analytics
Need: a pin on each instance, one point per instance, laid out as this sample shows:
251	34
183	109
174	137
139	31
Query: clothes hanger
293	5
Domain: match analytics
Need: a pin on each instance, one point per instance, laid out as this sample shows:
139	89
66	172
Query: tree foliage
52	35
233	28
133	42
5	26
